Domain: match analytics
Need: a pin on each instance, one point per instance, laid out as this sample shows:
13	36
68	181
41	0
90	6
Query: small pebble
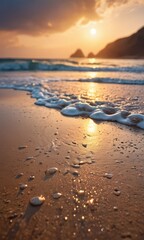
90	201
22	147
37	148
19	175
37	201
89	161
57	195
66	172
32	177
108	175
117	192
84	145
51	171
126	235
14	215
75	173
81	162
65	218
75	166
81	192
29	158
23	186
115	208
7	201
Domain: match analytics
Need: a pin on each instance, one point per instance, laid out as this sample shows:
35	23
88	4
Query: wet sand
109	208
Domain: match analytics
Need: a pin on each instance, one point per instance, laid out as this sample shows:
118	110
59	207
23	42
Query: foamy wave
71	105
65	65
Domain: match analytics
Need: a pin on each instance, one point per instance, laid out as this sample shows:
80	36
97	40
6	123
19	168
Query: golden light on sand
91	127
93	31
92	74
91	91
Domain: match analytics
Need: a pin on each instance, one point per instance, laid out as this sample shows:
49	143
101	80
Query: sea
99	89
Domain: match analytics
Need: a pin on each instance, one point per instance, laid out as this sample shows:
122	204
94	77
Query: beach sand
109	207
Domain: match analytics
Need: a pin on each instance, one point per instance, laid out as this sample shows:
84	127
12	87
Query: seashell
57	195
37	201
23	186
51	171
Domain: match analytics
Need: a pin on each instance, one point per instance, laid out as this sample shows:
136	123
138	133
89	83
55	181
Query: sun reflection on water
92	75
92	60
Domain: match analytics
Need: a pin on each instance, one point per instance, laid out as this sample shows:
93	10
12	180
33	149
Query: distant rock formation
128	47
91	55
77	54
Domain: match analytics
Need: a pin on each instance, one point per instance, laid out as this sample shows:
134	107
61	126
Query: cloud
118	3
34	17
30	17
8	39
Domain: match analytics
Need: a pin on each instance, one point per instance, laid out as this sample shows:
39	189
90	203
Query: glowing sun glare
93	31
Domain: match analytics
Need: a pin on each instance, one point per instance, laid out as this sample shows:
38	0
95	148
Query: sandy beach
102	198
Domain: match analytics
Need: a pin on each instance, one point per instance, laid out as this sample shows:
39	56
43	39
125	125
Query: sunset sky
56	28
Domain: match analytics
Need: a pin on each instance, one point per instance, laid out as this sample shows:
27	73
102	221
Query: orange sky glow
66	31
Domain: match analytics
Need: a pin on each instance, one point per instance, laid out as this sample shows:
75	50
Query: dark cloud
37	16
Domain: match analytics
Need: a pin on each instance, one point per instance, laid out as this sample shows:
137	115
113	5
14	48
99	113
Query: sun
93	31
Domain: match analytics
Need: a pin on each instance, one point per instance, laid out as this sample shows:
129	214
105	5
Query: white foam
70	105
78	109
130	120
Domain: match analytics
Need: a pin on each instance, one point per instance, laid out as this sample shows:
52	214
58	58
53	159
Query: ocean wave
64	65
114	81
19	80
102	80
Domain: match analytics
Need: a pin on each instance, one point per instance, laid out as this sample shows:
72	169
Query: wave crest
64	65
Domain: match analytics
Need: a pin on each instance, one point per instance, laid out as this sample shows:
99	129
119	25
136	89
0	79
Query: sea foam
71	105
97	111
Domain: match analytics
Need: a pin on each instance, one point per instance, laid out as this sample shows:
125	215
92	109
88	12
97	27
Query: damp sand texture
95	190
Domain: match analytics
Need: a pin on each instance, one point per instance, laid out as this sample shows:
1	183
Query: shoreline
57	141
